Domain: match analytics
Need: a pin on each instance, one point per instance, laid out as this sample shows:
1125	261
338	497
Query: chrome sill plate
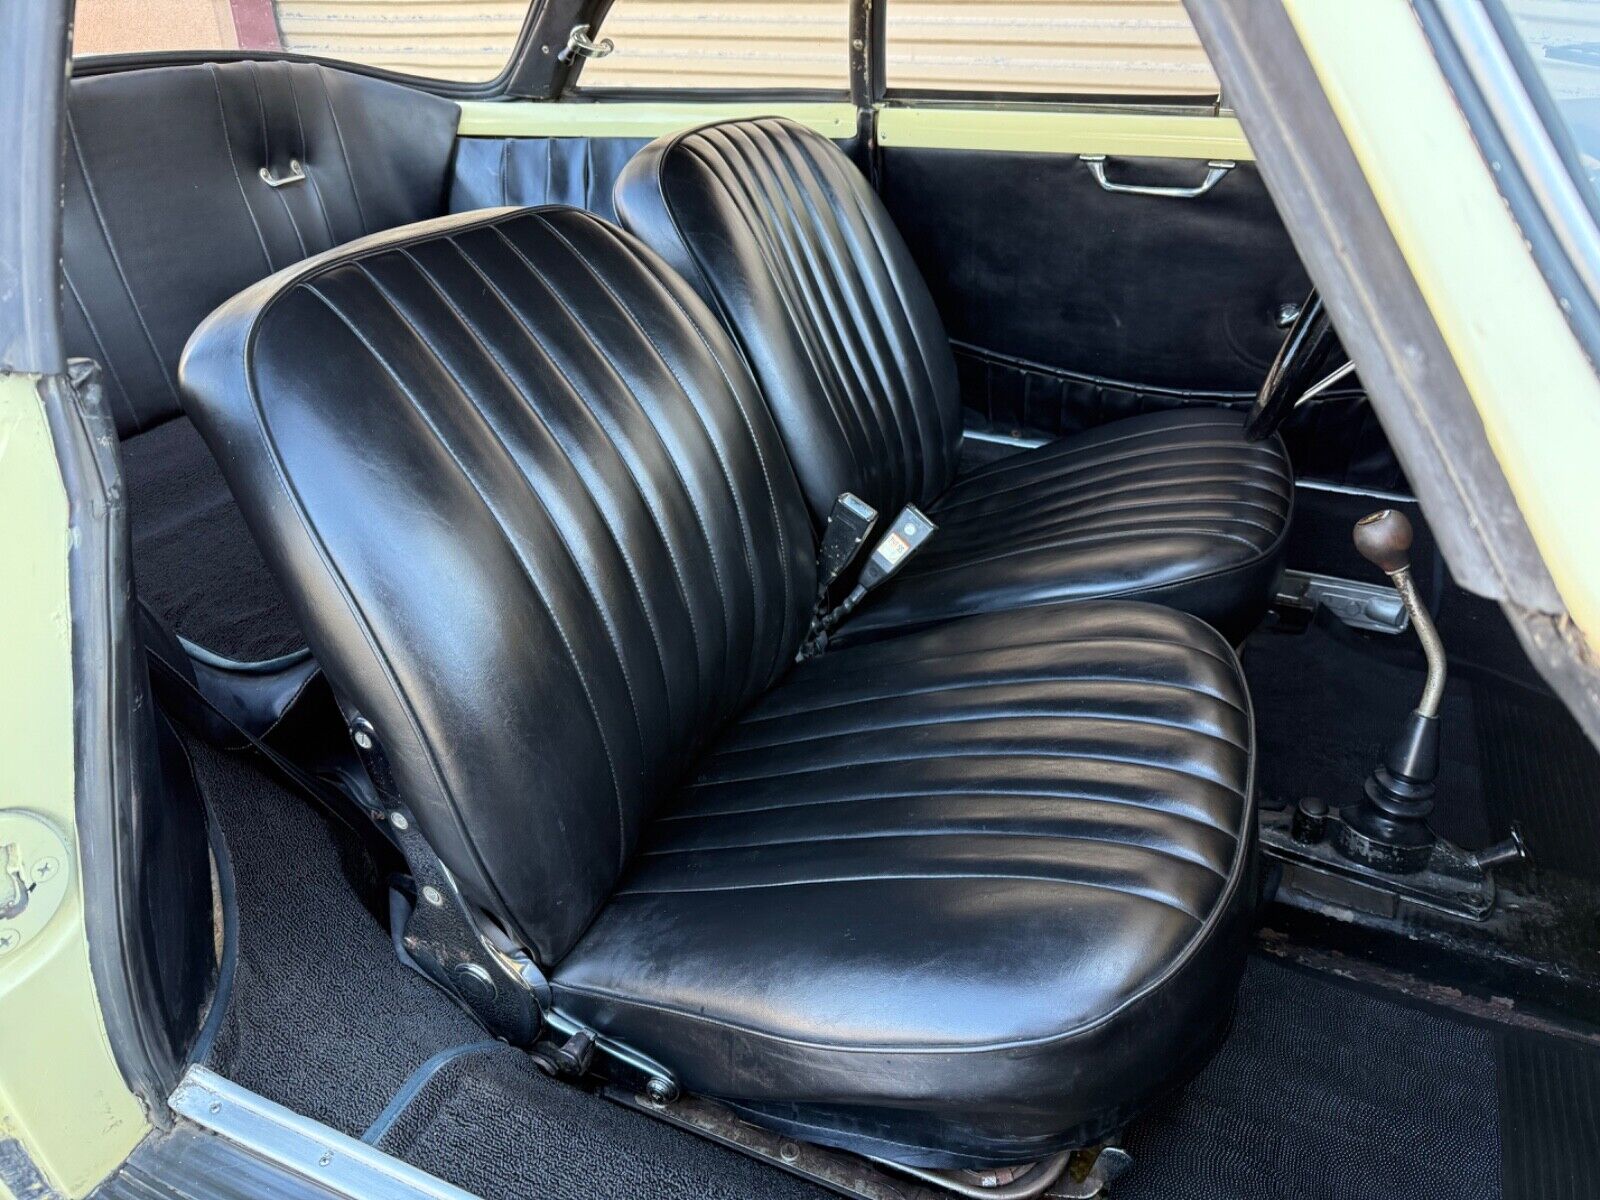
324	1156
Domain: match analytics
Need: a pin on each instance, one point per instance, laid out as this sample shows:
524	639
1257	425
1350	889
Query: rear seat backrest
167	212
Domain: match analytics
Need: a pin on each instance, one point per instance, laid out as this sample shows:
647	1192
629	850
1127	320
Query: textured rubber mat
1540	769
1549	1118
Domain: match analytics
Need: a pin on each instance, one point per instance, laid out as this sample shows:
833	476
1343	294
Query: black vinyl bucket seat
963	895
185	184
784	238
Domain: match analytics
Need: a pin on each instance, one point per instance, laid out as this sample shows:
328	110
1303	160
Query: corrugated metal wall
447	39
1122	46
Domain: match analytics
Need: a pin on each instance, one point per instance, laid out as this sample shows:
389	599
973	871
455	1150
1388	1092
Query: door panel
1031	260
1070	306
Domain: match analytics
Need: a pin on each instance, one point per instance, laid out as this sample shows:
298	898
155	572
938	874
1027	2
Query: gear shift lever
1379	850
1387	828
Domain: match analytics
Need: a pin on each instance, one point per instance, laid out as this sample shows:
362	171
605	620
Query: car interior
761	662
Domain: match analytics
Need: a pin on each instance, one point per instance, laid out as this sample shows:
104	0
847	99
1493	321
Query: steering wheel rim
1309	353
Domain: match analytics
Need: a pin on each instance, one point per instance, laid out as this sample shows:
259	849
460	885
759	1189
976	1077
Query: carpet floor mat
492	1123
1325	1089
1327	701
323	1019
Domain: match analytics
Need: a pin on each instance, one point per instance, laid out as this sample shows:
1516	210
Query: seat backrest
168	213
783	236
534	519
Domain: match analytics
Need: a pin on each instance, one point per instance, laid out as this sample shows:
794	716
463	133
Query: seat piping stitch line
744	418
606	422
914	877
989	791
616	543
848	416
837	281
349	169
488	427
1091	475
305	158
1068	511
1092	482
977	719
1179	961
342	587
527	570
266	150
965	752
116	259
233	161
976	834
966	685
878	663
746	539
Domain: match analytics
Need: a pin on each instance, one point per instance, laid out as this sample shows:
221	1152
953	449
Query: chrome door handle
1215	170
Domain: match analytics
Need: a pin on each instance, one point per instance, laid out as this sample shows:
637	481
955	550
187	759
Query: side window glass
801	45
465	40
1047	47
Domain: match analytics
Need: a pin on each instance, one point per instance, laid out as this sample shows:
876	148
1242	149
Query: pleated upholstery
167	215
1172	506
963	895
1016	830
783	236
531	410
781	233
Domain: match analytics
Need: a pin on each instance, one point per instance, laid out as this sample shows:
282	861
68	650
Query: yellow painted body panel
61	1093
1049	131
1536	393
643	119
1066	131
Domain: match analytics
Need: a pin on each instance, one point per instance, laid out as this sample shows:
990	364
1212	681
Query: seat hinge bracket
440	934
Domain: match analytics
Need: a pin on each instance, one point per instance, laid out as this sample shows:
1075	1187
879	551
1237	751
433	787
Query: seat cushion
1174	507
982	888
790	245
195	563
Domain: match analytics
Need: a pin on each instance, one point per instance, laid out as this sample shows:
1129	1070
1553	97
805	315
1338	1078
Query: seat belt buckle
909	533
849	524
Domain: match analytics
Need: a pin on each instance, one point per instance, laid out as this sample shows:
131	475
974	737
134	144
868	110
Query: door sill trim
323	1156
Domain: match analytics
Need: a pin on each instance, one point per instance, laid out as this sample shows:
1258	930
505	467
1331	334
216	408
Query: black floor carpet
1328	699
323	1017
1323	1091
325	1020
1327	1092
491	1123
